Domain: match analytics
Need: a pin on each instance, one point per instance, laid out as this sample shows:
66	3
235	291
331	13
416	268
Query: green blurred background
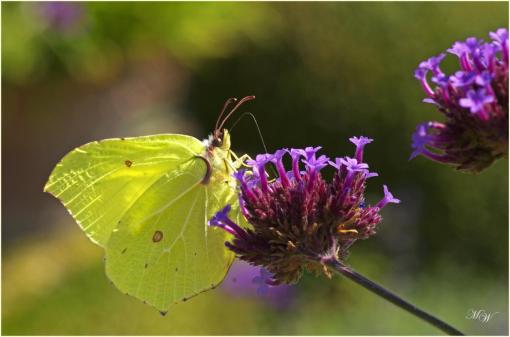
322	72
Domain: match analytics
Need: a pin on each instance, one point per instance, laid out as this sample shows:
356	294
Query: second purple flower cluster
474	100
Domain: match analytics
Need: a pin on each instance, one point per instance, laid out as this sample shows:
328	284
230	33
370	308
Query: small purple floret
221	219
352	165
316	164
309	152
433	63
388	198
476	100
277	160
360	143
463	78
458	49
484	79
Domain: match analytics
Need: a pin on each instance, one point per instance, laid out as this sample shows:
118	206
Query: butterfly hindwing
163	251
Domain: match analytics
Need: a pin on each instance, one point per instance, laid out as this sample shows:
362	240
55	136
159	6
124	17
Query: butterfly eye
217	138
217	142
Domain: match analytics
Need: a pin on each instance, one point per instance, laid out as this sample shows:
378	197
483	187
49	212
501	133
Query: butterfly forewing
99	181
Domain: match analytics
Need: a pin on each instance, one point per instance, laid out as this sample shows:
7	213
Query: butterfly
147	201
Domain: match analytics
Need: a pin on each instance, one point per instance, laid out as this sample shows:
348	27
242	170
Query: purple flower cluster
474	101
299	219
61	15
245	280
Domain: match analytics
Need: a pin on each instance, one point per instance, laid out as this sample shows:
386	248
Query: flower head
474	101
299	220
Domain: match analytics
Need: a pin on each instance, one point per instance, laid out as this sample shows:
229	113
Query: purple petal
430	101
463	78
458	49
433	63
484	78
475	100
421	73
317	164
221	220
352	164
500	36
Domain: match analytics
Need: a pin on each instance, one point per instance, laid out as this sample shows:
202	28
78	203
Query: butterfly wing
144	200
99	181
163	251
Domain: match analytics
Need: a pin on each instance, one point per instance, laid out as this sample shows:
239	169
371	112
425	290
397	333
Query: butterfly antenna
243	100
227	103
256	125
271	167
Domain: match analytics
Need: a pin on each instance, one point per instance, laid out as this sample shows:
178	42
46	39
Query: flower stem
388	295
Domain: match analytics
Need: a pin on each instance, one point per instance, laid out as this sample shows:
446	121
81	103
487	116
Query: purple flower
474	101
472	44
463	78
458	49
484	79
500	38
263	281
440	79
277	160
62	16
352	165
316	164
245	280
420	139
258	166
299	222
360	143
429	101
433	63
221	219
388	198
421	75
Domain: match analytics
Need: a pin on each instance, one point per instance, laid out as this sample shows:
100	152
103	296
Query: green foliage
320	307
97	47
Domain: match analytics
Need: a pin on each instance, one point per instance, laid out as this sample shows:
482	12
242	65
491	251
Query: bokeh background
322	72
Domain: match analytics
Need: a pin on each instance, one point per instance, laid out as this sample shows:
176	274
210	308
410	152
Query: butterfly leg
239	161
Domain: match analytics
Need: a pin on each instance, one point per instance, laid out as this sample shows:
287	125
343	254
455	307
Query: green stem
388	295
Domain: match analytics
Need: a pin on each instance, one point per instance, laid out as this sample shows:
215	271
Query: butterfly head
219	139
